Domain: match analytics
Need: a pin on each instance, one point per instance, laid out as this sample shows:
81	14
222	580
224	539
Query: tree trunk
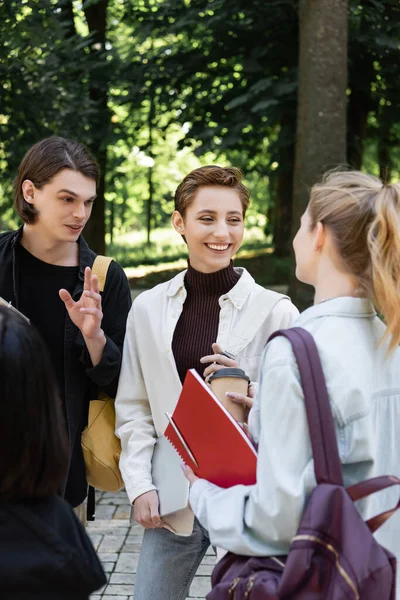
95	229
361	75
96	17
321	112
384	154
150	181
282	214
123	206
358	112
111	222
67	17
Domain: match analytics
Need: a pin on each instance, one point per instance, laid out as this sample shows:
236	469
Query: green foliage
180	83
226	69
374	71
42	72
229	71
227	74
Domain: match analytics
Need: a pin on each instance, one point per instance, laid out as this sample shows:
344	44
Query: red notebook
222	449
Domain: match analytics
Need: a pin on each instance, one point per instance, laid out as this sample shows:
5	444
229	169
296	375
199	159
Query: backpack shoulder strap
100	268
327	465
260	307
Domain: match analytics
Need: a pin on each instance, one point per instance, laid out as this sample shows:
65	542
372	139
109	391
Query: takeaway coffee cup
230	380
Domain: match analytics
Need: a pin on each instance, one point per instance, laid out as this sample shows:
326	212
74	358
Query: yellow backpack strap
100	268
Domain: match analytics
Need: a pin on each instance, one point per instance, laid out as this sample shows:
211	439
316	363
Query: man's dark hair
33	438
43	161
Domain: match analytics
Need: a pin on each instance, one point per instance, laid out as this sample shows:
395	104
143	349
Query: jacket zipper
232	589
250	583
249	586
342	571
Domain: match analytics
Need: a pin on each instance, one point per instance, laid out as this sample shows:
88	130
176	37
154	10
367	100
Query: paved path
118	546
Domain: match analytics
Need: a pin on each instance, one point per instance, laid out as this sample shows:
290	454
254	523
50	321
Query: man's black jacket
82	380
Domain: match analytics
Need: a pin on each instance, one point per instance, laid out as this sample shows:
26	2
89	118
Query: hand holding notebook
219	449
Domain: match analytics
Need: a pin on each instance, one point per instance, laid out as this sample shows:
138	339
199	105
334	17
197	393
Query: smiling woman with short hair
175	327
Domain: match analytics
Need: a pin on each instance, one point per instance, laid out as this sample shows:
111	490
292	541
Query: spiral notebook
221	448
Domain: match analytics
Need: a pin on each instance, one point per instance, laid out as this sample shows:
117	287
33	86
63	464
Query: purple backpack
334	555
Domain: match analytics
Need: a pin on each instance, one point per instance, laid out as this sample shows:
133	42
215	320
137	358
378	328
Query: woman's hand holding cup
242	399
239	399
218	360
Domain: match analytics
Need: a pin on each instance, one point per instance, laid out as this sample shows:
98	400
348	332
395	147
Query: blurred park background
284	89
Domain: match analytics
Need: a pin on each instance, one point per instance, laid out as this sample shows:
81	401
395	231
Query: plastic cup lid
229	372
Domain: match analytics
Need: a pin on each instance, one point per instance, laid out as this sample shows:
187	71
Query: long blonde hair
364	216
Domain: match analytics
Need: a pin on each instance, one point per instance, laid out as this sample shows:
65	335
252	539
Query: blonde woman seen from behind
174	327
348	249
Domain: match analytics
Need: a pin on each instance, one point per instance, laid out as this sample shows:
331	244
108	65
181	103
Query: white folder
168	477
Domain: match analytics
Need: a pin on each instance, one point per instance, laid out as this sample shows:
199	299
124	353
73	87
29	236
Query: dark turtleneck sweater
197	327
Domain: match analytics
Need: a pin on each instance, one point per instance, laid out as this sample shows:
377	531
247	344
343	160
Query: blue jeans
168	563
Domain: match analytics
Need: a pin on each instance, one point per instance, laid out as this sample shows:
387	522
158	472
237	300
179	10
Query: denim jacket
364	389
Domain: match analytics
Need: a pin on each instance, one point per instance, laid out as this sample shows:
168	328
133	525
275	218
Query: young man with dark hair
45	272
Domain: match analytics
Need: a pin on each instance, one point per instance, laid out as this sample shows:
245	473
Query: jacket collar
345	306
86	257
241	291
176	284
237	295
17	236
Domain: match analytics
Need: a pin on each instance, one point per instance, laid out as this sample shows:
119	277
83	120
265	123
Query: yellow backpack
100	446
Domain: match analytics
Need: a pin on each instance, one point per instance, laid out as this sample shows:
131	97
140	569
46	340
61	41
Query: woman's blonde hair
364	216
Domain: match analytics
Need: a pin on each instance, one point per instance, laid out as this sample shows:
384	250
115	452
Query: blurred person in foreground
45	272
45	553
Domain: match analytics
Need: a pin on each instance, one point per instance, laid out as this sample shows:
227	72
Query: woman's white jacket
149	384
